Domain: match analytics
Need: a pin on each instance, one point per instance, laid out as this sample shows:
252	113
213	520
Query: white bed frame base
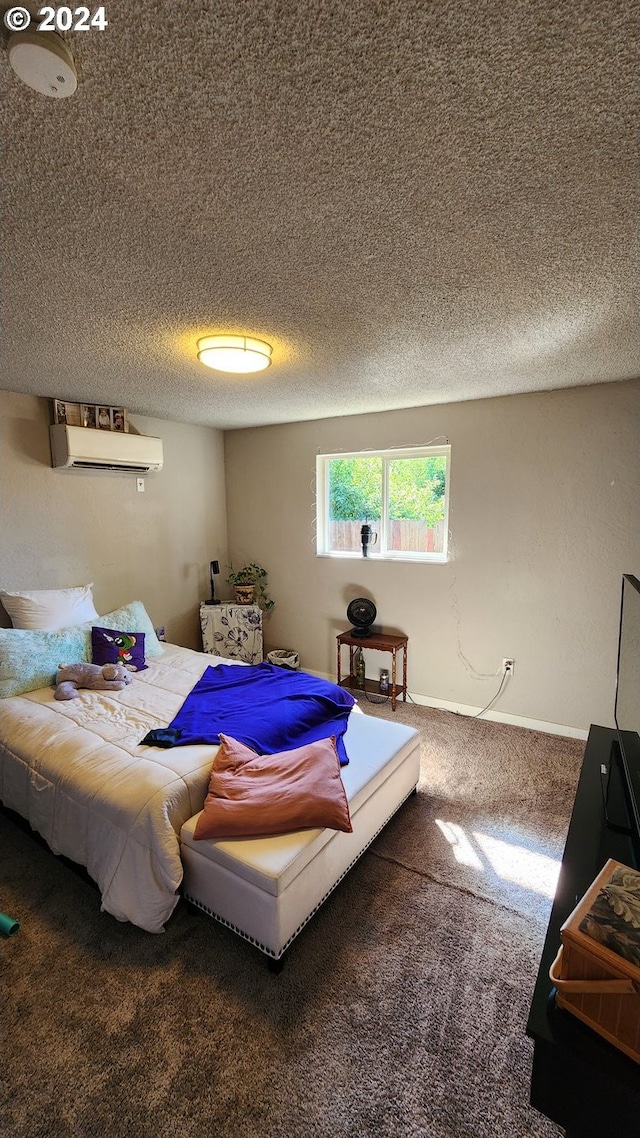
271	921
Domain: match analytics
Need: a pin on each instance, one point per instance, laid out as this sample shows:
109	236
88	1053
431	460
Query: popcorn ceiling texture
415	203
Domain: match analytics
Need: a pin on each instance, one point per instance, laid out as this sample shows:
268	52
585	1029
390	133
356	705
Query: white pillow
46	610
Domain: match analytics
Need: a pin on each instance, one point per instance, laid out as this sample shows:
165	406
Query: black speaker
214	569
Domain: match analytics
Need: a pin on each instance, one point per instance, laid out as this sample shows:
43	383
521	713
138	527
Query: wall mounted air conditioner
89	449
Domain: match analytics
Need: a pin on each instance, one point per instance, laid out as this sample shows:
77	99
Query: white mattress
76	771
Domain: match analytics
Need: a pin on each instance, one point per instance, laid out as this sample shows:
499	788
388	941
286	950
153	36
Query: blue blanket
264	707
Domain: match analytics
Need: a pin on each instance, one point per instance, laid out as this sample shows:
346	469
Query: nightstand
233	631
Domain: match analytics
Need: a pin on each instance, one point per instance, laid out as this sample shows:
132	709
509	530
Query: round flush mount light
240	354
43	62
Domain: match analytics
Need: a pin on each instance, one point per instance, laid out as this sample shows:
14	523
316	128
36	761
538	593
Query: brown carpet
400	1012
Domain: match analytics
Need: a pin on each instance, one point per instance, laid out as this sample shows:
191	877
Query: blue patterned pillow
30	659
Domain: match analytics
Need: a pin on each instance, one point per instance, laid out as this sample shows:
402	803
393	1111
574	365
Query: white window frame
379	551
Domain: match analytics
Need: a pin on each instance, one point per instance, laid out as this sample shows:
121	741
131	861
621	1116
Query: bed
77	772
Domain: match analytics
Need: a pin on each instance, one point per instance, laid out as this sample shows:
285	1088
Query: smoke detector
43	62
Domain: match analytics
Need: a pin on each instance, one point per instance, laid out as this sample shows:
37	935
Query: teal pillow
30	659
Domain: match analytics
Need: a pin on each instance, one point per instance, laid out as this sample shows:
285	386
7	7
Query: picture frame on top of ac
92	415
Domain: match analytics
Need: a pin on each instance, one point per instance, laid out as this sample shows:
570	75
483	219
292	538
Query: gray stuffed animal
109	677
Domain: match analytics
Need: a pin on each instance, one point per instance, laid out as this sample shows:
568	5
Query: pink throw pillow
252	795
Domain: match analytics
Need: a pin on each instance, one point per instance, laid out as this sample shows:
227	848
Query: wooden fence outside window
404	534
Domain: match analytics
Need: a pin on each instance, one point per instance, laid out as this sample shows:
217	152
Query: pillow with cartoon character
109	646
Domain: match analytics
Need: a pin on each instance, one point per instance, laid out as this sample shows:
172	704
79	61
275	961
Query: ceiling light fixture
239	354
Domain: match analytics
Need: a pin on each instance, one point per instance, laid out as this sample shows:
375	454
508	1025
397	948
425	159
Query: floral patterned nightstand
232	631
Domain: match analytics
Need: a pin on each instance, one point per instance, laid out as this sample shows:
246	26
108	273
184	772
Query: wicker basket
597	970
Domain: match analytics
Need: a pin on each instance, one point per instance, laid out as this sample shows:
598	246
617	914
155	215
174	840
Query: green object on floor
7	925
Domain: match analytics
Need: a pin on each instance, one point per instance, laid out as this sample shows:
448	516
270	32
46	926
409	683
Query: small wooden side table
379	642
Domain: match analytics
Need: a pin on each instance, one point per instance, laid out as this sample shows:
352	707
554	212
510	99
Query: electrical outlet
140	485
508	665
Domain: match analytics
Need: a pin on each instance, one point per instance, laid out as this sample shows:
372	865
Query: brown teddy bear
109	677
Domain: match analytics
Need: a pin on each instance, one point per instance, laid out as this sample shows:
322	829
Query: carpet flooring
400	1012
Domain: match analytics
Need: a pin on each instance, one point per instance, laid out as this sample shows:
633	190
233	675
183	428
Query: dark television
627	703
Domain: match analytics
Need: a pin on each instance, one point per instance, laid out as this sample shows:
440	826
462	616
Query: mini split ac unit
89	449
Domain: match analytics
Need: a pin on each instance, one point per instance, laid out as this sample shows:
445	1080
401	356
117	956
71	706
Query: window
403	495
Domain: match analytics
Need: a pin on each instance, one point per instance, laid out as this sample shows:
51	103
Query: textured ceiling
415	203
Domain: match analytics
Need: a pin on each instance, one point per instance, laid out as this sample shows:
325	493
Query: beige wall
61	528
545	508
545	501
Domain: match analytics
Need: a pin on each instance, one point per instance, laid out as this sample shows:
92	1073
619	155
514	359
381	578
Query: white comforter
76	771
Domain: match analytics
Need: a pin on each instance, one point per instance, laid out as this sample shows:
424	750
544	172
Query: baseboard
502	717
493	716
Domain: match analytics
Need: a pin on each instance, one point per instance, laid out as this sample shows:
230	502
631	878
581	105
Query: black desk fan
361	613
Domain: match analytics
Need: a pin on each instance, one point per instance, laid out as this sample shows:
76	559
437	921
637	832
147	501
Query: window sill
404	558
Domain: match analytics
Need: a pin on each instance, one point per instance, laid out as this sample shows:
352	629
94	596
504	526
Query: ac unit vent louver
87	449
